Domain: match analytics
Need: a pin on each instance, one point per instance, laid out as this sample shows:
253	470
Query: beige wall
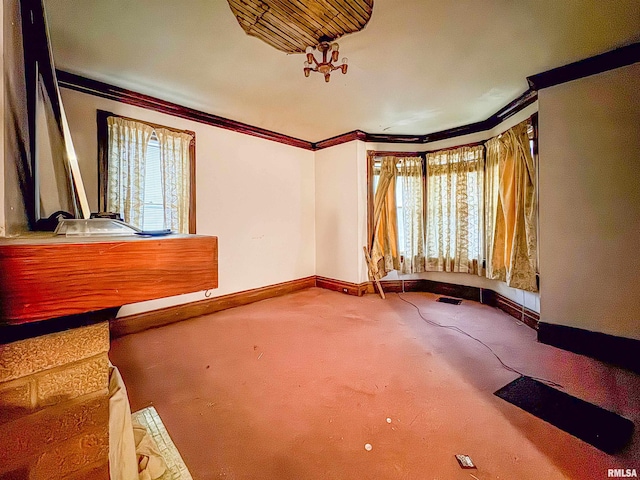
257	196
590	202
336	177
341	213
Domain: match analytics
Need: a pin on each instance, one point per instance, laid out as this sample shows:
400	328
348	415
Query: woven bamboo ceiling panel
293	25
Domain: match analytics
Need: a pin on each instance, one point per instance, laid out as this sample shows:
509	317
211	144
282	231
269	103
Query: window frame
103	161
371	157
373	154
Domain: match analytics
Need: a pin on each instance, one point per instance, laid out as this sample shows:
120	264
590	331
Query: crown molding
111	92
523	101
620	57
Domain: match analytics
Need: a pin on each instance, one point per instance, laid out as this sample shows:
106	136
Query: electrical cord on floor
459	330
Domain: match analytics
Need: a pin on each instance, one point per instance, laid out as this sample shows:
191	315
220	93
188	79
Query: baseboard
357	289
619	351
517	311
164	316
422	285
482	295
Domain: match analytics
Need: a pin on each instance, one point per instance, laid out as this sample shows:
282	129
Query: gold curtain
127	149
384	249
411	185
175	164
454	210
511	210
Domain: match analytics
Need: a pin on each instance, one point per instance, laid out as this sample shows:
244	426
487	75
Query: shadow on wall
19	178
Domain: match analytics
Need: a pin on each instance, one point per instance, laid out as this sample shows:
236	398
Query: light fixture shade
309	50
345	60
335	47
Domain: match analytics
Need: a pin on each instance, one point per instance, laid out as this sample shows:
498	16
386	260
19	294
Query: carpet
601	428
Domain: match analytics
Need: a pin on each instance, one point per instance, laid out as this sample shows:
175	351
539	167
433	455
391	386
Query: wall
257	196
341	212
590	203
2	44
337	215
14	120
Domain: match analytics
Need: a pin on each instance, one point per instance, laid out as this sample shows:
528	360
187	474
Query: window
146	173
454	218
153	205
399	211
408	207
479	213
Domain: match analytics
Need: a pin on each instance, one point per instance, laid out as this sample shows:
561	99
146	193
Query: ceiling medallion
326	65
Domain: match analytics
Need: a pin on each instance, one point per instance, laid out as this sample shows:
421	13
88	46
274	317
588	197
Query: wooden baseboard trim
422	285
482	295
517	311
164	316
619	351
357	289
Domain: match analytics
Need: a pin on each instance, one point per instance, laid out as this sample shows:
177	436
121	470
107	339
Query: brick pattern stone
72	455
72	381
26	357
93	472
15	399
31	435
54	406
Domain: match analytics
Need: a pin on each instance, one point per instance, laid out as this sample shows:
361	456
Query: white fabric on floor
132	453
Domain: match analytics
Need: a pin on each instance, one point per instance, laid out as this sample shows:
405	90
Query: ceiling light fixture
326	66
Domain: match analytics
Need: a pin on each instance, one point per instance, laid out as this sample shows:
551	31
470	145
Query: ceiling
419	66
292	27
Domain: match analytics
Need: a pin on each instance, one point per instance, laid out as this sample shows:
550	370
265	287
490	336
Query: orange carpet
295	387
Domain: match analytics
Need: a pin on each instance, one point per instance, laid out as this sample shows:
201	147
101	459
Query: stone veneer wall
54	406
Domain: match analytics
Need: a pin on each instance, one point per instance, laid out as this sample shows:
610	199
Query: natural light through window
153	206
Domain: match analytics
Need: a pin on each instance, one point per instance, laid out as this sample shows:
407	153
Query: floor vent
452	301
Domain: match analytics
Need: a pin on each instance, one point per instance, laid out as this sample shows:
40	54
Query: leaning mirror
50	157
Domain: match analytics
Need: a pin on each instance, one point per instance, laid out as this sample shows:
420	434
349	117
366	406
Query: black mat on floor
452	301
601	428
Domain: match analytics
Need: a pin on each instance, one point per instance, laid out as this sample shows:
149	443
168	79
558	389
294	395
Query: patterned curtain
511	210
127	148
174	157
454	210
384	249
410	175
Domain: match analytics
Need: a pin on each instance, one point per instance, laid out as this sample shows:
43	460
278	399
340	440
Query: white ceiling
418	67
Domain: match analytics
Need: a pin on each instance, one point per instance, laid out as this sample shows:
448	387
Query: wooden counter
44	276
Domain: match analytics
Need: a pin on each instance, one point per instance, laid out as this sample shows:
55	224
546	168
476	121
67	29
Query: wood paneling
293	26
157	318
56	276
111	92
617	58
